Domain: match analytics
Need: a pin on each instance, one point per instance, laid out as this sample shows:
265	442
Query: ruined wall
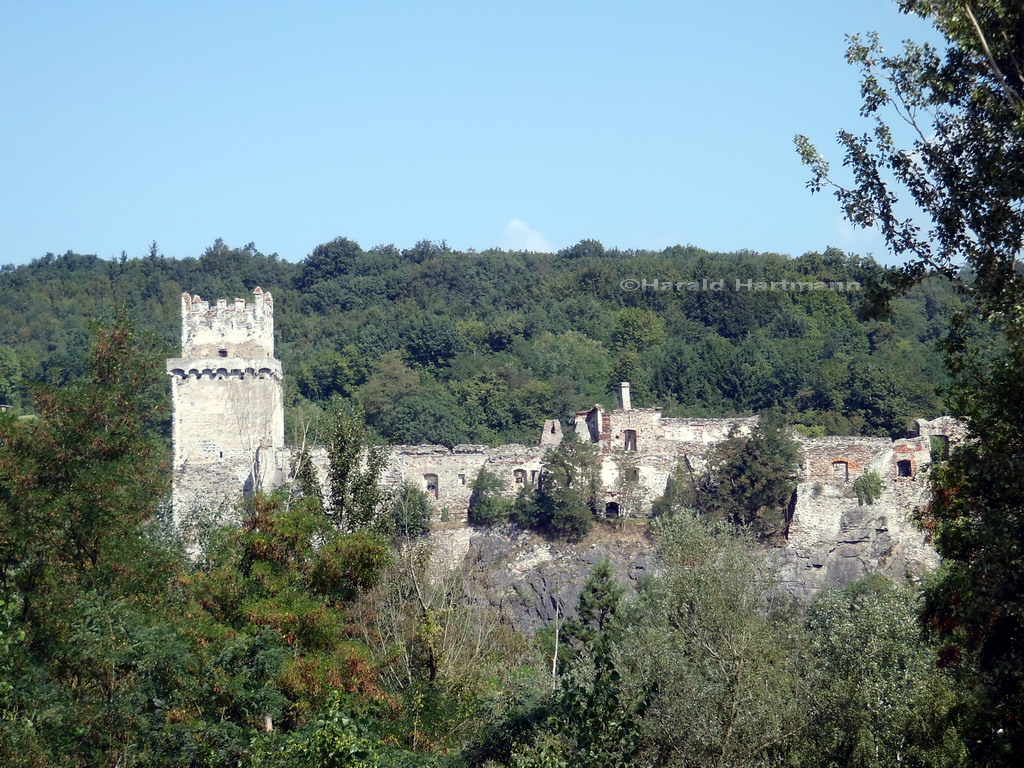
234	329
951	431
640	450
447	476
226	389
844	459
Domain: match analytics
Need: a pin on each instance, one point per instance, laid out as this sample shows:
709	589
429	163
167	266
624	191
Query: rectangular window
630	439
430	481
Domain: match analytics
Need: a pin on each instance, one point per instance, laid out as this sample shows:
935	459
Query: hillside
449	347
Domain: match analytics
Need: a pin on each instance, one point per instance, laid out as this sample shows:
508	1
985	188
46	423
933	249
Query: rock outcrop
834	540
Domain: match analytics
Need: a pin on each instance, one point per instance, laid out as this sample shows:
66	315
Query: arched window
520	475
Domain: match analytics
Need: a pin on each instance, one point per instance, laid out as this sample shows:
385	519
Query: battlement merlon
228	329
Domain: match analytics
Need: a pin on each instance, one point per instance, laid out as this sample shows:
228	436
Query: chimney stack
624	402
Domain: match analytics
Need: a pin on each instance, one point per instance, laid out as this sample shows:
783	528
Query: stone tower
228	404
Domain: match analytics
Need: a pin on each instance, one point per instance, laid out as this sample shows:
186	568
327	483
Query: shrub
868	488
487	506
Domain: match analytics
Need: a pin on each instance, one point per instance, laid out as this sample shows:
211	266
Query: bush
410	513
348	564
558	513
566	499
487	506
868	488
751	480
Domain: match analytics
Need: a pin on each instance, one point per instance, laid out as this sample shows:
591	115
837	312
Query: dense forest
447	347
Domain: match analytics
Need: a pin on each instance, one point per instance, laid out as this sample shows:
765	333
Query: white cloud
519	237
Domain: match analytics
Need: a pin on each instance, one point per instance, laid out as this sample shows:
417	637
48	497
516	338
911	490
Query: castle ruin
229	439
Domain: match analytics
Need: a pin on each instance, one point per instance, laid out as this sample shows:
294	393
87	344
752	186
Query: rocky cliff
832	541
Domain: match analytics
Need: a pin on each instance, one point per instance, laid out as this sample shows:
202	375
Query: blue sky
487	124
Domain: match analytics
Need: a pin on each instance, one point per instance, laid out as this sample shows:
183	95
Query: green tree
591	721
433	340
679	493
329	260
335	739
77	482
584	249
290	570
487	505
355	464
594	627
879	700
410	513
637	329
84	573
10	377
566	499
713	648
946	194
750	480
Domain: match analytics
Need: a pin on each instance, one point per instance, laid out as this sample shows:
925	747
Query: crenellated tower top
237	329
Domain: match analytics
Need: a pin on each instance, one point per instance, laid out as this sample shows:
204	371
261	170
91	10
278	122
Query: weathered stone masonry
228	423
229	438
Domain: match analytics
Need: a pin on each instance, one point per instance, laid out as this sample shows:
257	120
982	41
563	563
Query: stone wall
640	450
446	476
234	329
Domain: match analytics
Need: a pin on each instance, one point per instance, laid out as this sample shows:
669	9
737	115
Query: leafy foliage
444	347
879	700
939	173
712	644
565	501
356	498
410	513
751	479
868	488
487	505
289	641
